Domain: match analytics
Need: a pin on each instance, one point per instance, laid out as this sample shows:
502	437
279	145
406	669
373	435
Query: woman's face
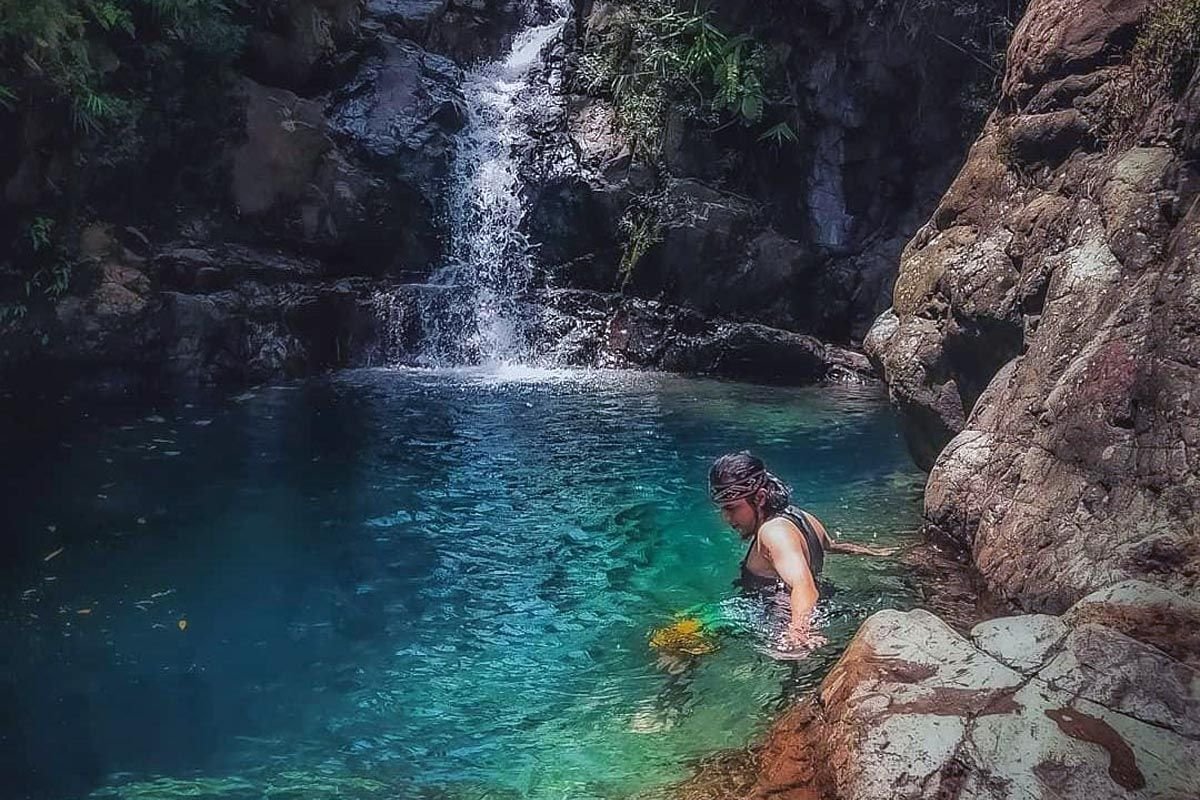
741	515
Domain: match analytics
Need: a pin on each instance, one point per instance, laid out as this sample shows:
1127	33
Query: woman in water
787	545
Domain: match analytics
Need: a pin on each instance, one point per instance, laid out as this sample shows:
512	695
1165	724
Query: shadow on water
419	582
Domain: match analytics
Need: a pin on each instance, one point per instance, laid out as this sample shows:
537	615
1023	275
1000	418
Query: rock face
298	36
1042	342
397	117
323	168
191	314
1080	707
645	334
800	236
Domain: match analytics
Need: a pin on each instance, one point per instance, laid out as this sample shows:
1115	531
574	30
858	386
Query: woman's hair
737	476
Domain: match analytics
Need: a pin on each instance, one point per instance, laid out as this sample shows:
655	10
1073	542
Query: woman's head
745	491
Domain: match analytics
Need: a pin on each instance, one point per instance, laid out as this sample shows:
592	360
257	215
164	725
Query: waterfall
471	311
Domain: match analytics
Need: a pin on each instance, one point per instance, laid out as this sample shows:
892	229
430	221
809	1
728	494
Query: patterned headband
739	490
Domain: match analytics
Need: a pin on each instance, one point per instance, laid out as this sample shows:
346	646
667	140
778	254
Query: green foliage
11	314
1168	46
651	56
109	81
642	227
52	265
40	231
779	134
91	57
1165	55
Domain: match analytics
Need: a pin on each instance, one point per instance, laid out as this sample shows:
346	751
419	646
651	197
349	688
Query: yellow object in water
685	636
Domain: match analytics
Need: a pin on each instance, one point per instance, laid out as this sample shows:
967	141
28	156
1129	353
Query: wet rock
410	19
401	110
188	315
395	121
702	234
647	334
464	30
290	183
256	332
179	267
582	177
798	237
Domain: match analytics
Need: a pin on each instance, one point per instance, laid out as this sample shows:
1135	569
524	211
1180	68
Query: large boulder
189	314
1041	344
1026	707
232	314
285	138
647	334
401	109
291	182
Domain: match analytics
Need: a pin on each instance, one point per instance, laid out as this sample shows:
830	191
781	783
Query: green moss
1164	57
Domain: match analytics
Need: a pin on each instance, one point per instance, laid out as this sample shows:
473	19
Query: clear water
410	584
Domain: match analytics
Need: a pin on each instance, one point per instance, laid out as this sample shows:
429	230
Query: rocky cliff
1041	350
1042	340
654	192
245	234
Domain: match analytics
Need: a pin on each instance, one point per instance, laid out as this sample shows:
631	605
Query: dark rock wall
251	248
327	154
803	236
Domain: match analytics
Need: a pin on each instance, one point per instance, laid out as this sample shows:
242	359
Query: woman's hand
804	636
797	642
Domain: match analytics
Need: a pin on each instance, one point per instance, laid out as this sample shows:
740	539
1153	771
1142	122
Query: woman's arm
790	561
833	546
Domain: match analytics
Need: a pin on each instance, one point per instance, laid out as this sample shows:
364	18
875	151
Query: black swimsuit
752	583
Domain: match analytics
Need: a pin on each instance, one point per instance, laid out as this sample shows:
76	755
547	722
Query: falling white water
471	312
